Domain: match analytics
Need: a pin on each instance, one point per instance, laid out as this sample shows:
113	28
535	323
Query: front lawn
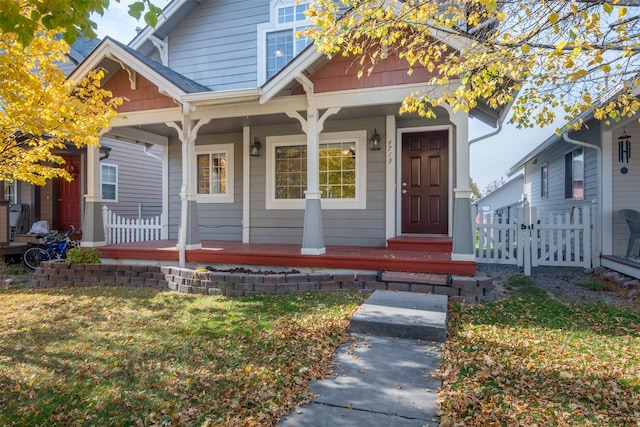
120	356
534	361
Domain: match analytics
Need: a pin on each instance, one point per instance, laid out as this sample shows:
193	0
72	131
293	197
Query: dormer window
277	43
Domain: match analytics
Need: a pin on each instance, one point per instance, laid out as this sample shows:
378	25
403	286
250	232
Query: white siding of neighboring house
216	45
139	179
626	191
509	194
553	157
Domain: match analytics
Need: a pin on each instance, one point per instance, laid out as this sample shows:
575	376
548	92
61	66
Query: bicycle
55	246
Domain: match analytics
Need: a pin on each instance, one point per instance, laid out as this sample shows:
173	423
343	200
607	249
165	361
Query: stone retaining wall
458	288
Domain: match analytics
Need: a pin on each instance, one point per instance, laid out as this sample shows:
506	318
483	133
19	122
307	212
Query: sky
489	158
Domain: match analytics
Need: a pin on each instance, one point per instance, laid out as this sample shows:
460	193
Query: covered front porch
434	256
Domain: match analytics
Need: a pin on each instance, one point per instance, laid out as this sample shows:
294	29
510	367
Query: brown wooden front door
425	183
69	196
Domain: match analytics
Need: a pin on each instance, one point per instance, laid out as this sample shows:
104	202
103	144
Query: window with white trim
214	173
544	181
342	171
11	191
277	41
109	182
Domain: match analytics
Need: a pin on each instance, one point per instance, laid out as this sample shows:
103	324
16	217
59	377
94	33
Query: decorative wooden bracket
133	75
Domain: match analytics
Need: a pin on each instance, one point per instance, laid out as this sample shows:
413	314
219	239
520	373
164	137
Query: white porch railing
128	230
534	238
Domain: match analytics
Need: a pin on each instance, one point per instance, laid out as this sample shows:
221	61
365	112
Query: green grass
118	356
595	285
530	360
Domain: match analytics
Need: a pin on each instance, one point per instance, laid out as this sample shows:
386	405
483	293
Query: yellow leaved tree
41	111
567	55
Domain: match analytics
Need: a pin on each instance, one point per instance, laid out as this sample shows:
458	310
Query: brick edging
54	274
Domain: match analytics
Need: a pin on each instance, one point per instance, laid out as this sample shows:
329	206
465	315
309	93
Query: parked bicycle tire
34	256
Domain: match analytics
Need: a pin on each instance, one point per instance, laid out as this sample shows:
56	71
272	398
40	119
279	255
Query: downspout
498	129
149	153
489	135
565	136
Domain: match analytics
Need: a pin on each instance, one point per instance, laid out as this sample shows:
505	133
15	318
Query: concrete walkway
384	374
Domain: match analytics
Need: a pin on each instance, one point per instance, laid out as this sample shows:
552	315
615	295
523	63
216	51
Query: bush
79	255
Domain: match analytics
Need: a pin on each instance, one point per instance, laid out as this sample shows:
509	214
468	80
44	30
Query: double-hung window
214	173
277	41
109	182
11	191
342	163
574	174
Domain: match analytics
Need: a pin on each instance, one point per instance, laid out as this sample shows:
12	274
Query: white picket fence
128	230
535	238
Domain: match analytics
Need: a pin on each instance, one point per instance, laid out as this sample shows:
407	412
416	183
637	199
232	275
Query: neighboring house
501	201
269	141
596	165
129	177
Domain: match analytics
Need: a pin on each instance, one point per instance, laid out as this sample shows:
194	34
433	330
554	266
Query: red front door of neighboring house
425	183
69	195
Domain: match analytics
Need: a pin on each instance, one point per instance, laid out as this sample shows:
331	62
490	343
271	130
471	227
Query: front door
425	179
69	195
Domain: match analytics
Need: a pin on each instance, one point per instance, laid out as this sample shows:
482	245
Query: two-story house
269	141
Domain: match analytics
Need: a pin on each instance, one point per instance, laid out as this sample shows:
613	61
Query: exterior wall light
374	142
255	148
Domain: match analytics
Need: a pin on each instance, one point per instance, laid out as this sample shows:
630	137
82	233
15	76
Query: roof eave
109	49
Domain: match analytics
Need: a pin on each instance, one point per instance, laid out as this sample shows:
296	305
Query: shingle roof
183	83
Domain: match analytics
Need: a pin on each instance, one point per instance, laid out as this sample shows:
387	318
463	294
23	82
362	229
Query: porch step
402	315
433	244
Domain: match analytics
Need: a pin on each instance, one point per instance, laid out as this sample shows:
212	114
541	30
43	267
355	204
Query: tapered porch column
313	234
92	222
463	242
188	232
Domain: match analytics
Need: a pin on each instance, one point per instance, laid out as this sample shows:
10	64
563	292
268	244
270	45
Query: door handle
404	191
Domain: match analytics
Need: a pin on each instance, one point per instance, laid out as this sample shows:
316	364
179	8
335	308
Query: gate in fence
118	229
536	238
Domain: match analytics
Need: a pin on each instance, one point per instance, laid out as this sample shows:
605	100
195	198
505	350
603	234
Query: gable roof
171	82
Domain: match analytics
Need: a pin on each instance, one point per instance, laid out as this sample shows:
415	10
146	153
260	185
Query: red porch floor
285	255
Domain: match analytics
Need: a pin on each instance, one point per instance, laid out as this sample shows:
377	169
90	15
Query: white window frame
115	184
544	181
360	140
272	26
14	194
227	150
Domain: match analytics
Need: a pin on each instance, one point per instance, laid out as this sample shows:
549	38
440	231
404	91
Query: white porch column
463	242
188	232
313	234
390	174
92	223
246	184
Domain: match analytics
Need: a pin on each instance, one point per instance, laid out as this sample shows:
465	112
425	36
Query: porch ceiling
235	124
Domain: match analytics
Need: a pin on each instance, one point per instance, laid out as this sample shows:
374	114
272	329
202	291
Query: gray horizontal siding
217	44
218	221
139	179
357	227
553	157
